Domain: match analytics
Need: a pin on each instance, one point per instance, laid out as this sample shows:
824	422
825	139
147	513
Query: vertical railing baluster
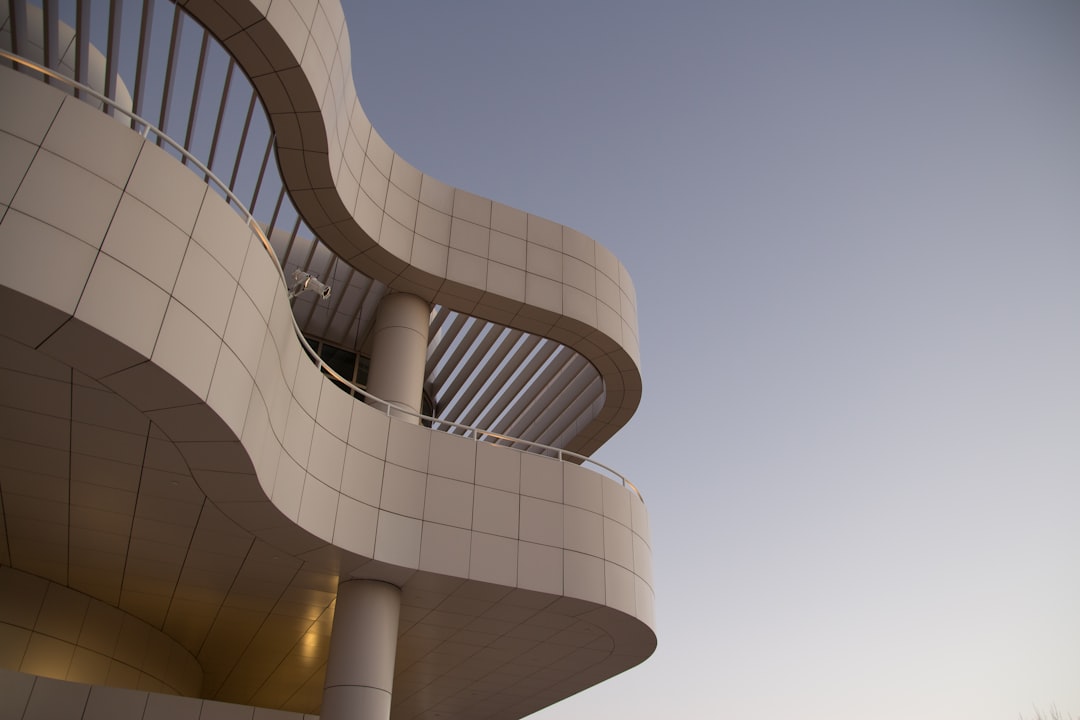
112	51
143	61
19	41
196	90
262	173
220	119
243	141
170	69
50	13
82	43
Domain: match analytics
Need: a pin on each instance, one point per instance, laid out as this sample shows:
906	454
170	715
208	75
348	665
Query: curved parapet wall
119	262
412	232
28	695
54	631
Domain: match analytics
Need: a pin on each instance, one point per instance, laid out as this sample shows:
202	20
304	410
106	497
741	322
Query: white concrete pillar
363	645
399	352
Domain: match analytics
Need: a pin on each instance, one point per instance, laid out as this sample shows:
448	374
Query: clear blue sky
854	228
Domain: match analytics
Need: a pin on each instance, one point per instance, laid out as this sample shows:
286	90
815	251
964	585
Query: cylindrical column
399	352
363	644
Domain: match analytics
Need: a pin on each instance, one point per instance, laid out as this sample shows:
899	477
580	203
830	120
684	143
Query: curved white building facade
201	518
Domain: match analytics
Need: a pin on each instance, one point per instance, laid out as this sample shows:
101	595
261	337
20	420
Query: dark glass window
342	361
348	364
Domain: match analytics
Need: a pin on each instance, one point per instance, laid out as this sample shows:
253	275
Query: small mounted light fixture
306	282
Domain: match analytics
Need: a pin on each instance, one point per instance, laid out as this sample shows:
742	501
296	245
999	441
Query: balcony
175	450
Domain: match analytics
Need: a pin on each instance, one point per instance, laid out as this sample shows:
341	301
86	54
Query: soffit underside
95	497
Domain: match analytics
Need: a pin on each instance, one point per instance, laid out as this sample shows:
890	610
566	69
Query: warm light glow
311	645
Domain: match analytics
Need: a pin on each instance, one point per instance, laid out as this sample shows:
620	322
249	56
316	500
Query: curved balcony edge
158	290
413	232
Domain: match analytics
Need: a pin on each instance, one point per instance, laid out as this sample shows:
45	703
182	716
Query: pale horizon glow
854	229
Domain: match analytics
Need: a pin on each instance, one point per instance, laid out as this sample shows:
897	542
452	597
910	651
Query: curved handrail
147	128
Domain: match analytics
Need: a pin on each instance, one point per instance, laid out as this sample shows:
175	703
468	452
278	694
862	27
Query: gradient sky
854	228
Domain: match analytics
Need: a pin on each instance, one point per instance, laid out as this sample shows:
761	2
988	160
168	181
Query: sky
854	230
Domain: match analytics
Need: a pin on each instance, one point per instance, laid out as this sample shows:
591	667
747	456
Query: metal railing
145	128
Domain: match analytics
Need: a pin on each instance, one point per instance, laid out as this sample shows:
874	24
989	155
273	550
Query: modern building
288	427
